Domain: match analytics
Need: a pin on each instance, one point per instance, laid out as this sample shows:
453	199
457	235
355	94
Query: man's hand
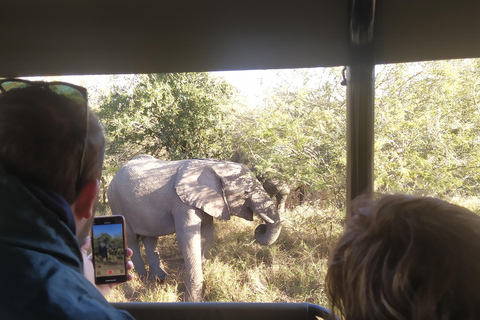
89	273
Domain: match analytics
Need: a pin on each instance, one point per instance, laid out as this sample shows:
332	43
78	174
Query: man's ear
84	205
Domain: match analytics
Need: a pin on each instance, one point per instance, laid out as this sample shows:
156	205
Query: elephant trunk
267	233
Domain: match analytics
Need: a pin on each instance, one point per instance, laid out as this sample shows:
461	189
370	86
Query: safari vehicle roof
55	37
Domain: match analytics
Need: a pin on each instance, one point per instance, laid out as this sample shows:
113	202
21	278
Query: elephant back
144	175
138	181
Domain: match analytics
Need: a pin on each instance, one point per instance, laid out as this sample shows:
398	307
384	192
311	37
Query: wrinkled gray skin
163	197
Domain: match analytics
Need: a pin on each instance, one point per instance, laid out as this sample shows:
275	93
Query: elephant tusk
266	218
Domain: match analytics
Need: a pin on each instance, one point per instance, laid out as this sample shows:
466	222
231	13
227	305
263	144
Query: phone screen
108	249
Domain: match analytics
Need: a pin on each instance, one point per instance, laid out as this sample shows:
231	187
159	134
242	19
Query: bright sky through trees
251	83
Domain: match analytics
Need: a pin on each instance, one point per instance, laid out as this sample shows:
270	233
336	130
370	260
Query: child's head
407	258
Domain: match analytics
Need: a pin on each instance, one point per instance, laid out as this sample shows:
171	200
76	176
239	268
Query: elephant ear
199	186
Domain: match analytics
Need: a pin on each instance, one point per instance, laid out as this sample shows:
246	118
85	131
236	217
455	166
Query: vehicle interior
85	37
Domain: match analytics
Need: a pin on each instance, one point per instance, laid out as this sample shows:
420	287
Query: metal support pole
360	130
360	101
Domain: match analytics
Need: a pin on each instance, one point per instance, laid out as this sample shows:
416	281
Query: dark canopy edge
121	36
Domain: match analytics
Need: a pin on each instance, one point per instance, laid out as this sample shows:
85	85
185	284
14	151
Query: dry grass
471	203
240	270
291	270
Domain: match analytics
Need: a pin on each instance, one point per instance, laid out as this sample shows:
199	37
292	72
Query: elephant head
224	188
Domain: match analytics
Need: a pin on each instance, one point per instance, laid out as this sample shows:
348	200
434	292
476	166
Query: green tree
427	128
171	116
298	135
118	243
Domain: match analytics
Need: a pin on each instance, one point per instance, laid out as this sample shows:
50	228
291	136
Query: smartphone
108	249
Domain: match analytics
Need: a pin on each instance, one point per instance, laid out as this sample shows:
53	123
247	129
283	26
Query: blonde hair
406	258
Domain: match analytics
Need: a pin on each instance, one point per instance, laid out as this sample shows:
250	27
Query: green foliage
170	116
103	238
299	135
427	128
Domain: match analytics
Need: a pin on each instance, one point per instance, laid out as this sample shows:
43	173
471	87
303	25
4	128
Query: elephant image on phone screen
104	251
164	197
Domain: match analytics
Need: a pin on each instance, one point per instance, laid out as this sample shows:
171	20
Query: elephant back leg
133	241
156	272
207	236
188	229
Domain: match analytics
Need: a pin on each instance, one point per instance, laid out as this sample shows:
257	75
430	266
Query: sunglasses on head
74	93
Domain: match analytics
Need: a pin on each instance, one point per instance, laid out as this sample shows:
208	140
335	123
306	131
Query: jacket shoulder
40	287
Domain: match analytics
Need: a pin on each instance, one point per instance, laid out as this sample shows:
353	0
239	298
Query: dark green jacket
41	263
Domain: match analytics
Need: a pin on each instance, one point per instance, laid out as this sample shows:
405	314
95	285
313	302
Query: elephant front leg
156	272
189	241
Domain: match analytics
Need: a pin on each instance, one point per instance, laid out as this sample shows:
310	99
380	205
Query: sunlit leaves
299	134
170	116
427	134
427	128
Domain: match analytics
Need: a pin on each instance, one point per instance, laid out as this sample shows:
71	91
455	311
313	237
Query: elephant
104	251
164	197
279	190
